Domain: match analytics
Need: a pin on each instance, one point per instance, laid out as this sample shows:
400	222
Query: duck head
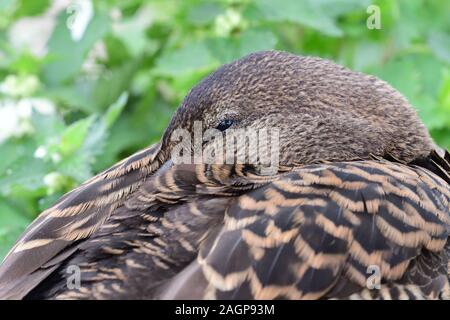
322	111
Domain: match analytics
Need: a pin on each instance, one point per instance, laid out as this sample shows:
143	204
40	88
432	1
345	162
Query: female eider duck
356	208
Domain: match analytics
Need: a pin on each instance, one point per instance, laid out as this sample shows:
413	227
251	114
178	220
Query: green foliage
72	105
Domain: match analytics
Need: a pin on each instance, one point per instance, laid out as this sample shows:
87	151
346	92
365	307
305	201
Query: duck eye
224	124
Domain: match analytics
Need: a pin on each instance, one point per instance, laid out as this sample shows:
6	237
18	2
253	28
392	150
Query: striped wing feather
308	233
153	235
57	232
314	232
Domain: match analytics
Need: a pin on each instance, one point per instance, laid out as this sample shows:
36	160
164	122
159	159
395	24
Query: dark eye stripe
224	124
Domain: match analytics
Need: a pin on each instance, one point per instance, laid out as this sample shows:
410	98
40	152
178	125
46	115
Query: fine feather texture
309	233
358	185
76	216
314	233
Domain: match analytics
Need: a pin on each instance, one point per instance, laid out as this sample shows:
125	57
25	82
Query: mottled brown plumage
359	184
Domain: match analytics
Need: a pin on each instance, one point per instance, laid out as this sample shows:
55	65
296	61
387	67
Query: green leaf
26	63
107	89
74	135
188	59
335	8
132	34
92	136
251	40
6	5
115	109
47	128
68	55
431	73
256	40
31	8
305	12
444	96
204	13
430	113
25	171
78	166
12	224
439	42
402	75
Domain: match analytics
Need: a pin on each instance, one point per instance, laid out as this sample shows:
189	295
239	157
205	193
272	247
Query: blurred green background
84	84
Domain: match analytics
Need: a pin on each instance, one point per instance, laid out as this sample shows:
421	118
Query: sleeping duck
356	205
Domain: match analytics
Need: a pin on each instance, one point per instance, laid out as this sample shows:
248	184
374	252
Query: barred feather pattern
224	232
154	234
313	234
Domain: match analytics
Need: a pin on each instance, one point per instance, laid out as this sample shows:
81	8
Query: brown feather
358	184
75	217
